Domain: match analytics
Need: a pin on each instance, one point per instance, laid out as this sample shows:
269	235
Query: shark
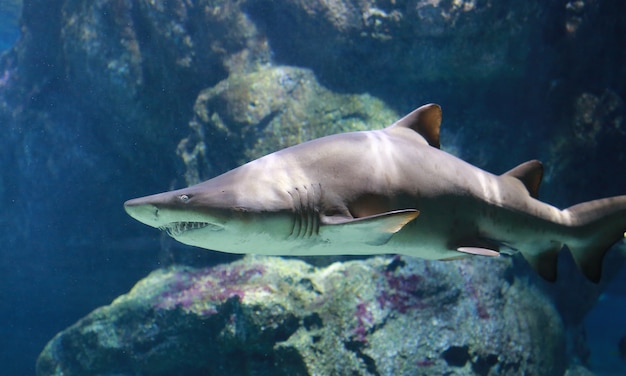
385	191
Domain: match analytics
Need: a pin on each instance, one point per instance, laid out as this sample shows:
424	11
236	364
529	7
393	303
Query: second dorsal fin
425	120
530	173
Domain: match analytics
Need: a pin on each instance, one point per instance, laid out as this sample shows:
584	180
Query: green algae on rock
263	315
269	109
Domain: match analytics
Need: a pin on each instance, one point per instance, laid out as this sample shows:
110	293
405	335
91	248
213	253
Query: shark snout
145	213
168	211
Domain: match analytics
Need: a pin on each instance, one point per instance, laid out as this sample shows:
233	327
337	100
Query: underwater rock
266	110
588	108
578	370
262	315
142	62
595	119
417	41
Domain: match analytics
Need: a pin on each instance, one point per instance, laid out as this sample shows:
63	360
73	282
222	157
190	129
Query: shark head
335	194
270	206
238	207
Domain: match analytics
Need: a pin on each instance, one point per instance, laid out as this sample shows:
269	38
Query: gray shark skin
388	191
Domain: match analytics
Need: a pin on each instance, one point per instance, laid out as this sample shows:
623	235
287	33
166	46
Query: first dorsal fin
426	120
530	173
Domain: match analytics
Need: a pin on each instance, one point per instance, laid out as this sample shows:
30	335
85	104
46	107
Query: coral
365	319
202	290
401	293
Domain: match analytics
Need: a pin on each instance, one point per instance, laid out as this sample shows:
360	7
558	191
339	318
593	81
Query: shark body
384	191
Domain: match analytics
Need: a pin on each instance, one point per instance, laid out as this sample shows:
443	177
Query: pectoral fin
373	230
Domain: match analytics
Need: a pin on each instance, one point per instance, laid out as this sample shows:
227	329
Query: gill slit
305	201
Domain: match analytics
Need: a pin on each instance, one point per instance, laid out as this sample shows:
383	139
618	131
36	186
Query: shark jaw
157	211
226	230
186	227
178	229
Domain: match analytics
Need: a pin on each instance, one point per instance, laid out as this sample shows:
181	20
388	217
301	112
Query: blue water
605	325
52	282
9	29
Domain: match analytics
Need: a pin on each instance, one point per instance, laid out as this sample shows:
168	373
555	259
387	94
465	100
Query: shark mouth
175	229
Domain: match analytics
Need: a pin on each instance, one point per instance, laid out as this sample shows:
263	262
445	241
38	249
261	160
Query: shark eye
184	198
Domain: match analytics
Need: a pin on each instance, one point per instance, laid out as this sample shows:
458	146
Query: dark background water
52	281
62	260
9	29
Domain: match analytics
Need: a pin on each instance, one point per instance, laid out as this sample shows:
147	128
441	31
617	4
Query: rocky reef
269	109
272	316
105	100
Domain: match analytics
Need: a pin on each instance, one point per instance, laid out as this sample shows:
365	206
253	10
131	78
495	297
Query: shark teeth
177	228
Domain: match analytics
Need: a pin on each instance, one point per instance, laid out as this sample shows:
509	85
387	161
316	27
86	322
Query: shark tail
595	227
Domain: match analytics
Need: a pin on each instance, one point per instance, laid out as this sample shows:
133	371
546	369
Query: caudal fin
596	226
